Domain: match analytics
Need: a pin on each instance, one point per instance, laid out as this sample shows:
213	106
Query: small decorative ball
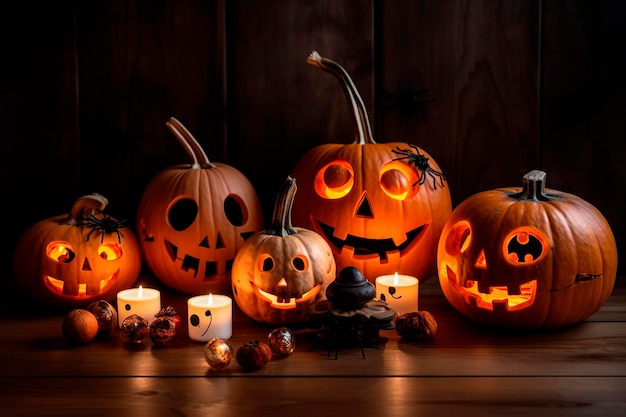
135	328
350	290
106	315
417	325
162	330
281	341
79	326
218	353
170	312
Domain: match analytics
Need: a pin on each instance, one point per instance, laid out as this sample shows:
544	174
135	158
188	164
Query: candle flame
210	300
140	292
395	279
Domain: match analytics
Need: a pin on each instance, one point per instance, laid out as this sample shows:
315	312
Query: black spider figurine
421	163
408	103
106	225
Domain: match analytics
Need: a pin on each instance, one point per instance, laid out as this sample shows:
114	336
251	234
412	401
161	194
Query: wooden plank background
517	85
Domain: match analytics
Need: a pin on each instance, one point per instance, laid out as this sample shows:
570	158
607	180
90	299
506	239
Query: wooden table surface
466	369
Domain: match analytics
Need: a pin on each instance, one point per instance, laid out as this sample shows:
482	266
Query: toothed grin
499	297
193	263
82	290
287	303
366	247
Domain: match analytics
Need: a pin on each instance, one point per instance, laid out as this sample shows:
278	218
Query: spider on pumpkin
421	163
106	225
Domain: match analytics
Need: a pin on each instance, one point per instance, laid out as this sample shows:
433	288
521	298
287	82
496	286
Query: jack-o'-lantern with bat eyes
192	220
77	258
527	258
380	206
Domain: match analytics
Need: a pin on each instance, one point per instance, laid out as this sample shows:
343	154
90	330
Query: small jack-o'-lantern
380	206
529	258
193	219
278	273
75	259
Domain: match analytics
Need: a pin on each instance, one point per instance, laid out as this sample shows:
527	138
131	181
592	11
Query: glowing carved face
275	279
513	261
375	208
74	265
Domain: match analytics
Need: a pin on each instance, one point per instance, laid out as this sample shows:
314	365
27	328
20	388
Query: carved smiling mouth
193	263
58	286
367	247
287	303
499	298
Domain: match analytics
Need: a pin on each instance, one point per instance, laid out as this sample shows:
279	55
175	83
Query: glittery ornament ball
135	328
281	341
218	353
162	330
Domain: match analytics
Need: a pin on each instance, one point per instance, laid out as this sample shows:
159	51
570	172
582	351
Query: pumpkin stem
363	129
191	145
84	207
281	218
533	187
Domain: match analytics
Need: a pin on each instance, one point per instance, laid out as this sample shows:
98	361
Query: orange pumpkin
280	272
192	220
75	259
529	258
380	206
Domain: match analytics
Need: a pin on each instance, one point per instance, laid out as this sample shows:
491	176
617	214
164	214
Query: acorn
350	290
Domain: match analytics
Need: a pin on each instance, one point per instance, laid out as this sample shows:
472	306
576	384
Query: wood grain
466	367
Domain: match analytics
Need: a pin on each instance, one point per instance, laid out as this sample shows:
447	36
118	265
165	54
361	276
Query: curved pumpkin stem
84	207
533	187
361	119
191	145
281	218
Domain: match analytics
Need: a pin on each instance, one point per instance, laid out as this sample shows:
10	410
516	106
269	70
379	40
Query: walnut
417	325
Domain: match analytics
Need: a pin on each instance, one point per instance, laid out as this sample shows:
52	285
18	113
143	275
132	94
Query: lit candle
398	291
210	316
145	302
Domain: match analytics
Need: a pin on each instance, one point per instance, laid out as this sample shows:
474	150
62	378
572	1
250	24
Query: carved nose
364	209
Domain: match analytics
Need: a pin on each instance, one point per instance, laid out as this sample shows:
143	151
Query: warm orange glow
334	180
292	303
110	252
60	252
397	179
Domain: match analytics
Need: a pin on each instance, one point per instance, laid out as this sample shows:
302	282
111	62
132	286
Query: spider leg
89	234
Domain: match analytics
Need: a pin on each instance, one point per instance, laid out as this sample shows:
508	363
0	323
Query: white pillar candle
398	291
210	316
145	302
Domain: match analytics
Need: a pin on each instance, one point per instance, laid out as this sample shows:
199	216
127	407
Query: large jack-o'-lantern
380	206
529	258
192	220
77	258
280	272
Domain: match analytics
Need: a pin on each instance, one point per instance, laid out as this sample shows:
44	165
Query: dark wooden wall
518	85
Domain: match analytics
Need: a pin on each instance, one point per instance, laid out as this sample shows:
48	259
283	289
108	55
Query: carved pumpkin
75	259
280	272
380	206
529	258
192	220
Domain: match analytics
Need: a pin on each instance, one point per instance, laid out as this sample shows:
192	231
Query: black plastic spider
408	103
421	163
105	225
